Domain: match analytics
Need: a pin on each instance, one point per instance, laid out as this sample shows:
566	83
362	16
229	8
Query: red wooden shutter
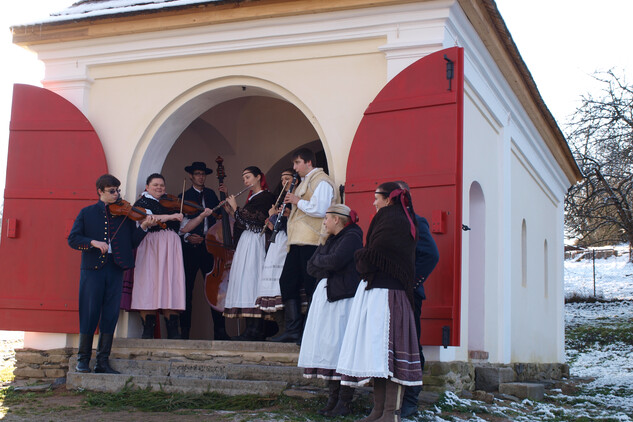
54	159
412	131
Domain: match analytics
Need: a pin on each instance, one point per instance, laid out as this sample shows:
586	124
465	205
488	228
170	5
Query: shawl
390	250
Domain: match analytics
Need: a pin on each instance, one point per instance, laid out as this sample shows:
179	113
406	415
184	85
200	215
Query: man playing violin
106	242
195	255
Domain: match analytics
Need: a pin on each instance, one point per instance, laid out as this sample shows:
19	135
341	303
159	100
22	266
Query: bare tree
599	209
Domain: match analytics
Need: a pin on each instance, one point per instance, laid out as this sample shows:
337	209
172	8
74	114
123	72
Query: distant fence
581	254
578	254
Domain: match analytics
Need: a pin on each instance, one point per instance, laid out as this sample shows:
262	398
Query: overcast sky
563	42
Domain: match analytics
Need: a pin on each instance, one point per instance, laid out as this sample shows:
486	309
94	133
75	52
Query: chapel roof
78	21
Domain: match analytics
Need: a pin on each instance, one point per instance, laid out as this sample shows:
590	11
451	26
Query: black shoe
103	355
148	326
173	327
84	352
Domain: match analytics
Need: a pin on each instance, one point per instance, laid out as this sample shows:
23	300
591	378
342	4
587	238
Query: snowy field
603	373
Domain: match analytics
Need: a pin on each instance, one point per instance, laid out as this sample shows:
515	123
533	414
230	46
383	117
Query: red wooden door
412	131
54	159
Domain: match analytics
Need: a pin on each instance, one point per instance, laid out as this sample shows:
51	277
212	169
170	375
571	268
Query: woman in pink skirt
159	276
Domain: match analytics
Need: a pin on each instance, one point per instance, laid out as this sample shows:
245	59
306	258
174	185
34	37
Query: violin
172	203
122	207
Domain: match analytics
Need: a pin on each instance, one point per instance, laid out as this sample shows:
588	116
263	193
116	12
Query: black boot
173	325
342	407
257	330
103	355
294	323
334	387
148	326
84	353
254	330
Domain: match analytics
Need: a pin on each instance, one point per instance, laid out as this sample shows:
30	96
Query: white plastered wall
140	92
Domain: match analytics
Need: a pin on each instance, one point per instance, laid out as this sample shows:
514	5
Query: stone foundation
456	376
44	365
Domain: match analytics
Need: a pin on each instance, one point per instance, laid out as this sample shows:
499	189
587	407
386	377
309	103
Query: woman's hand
149	221
176	217
272	211
232	202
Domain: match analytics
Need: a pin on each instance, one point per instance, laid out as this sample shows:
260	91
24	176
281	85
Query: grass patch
146	400
586	336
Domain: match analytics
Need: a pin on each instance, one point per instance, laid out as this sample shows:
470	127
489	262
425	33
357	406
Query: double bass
219	243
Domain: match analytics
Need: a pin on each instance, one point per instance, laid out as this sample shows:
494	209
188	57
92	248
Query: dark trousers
294	276
100	298
196	258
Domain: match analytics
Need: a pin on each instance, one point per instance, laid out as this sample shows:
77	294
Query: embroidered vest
302	228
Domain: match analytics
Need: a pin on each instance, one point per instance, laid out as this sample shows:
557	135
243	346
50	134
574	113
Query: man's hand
195	239
291	198
102	246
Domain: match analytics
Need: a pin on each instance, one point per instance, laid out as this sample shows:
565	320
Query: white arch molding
476	269
160	135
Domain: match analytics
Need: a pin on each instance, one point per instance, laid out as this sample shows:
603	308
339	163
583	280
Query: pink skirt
159	276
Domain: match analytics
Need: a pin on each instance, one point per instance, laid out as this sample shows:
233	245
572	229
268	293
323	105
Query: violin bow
182	199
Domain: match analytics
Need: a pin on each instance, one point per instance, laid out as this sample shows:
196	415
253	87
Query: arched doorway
246	125
476	273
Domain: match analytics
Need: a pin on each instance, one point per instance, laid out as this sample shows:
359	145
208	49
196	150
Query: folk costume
196	257
380	340
101	276
268	291
249	256
159	278
316	193
333	264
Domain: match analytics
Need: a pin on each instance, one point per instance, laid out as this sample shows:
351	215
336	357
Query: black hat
198	165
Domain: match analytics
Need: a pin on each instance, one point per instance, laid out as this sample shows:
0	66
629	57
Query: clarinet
295	177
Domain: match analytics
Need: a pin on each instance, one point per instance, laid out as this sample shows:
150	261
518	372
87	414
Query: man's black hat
198	165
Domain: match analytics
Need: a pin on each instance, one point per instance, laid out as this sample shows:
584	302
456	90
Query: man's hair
306	155
107	180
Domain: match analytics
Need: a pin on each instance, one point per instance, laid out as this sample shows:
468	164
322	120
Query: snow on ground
614	276
607	371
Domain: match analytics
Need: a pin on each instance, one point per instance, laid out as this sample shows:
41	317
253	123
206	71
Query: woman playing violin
159	278
249	253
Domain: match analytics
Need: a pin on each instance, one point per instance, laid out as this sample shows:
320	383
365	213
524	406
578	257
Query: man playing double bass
195	255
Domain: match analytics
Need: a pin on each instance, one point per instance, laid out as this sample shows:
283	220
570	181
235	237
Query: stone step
263	353
207	370
115	382
523	390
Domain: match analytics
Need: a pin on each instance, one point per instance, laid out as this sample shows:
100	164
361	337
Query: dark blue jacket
94	223
426	255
